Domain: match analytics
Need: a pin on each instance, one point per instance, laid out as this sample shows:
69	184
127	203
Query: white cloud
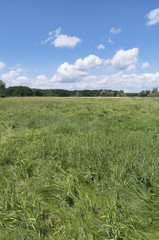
61	40
124	60
22	80
2	65
10	75
128	82
41	81
41	78
145	65
16	76
66	41
153	17
115	31
101	46
131	68
81	68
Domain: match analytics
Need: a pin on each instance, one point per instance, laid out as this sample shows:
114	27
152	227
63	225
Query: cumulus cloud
81	68
16	76
66	41
115	31
124	60
153	17
58	39
145	65
101	46
2	65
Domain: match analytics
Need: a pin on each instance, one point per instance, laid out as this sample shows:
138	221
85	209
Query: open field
79	168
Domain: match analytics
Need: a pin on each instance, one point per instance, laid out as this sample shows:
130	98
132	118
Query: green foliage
144	93
107	93
120	93
2	89
131	94
79	168
154	93
19	91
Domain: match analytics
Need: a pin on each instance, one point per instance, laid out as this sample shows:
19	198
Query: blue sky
80	44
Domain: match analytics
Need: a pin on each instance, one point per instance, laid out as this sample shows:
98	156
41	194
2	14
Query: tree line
22	91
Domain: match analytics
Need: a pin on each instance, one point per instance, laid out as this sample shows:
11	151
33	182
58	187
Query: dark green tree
154	93
19	91
144	93
120	93
107	93
2	88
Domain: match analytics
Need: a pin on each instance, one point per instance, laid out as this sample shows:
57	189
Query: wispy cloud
153	17
115	31
110	40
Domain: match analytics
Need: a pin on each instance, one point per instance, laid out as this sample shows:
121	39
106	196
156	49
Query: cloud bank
91	72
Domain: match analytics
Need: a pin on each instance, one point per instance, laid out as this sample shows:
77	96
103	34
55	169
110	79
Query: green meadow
79	168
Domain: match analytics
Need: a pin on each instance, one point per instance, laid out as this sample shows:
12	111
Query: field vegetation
79	168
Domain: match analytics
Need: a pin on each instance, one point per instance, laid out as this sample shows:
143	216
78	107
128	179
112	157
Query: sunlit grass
79	168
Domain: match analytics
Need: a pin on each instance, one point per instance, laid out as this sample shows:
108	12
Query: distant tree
154	93
131	94
144	93
120	93
154	90
107	93
37	92
2	89
19	91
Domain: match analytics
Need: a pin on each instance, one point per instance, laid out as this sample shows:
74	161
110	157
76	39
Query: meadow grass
79	168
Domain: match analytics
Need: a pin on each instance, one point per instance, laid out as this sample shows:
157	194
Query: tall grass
79	168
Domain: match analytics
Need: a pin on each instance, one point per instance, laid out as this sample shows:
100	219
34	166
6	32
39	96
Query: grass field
79	168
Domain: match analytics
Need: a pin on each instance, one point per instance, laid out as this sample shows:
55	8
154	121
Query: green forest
22	91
